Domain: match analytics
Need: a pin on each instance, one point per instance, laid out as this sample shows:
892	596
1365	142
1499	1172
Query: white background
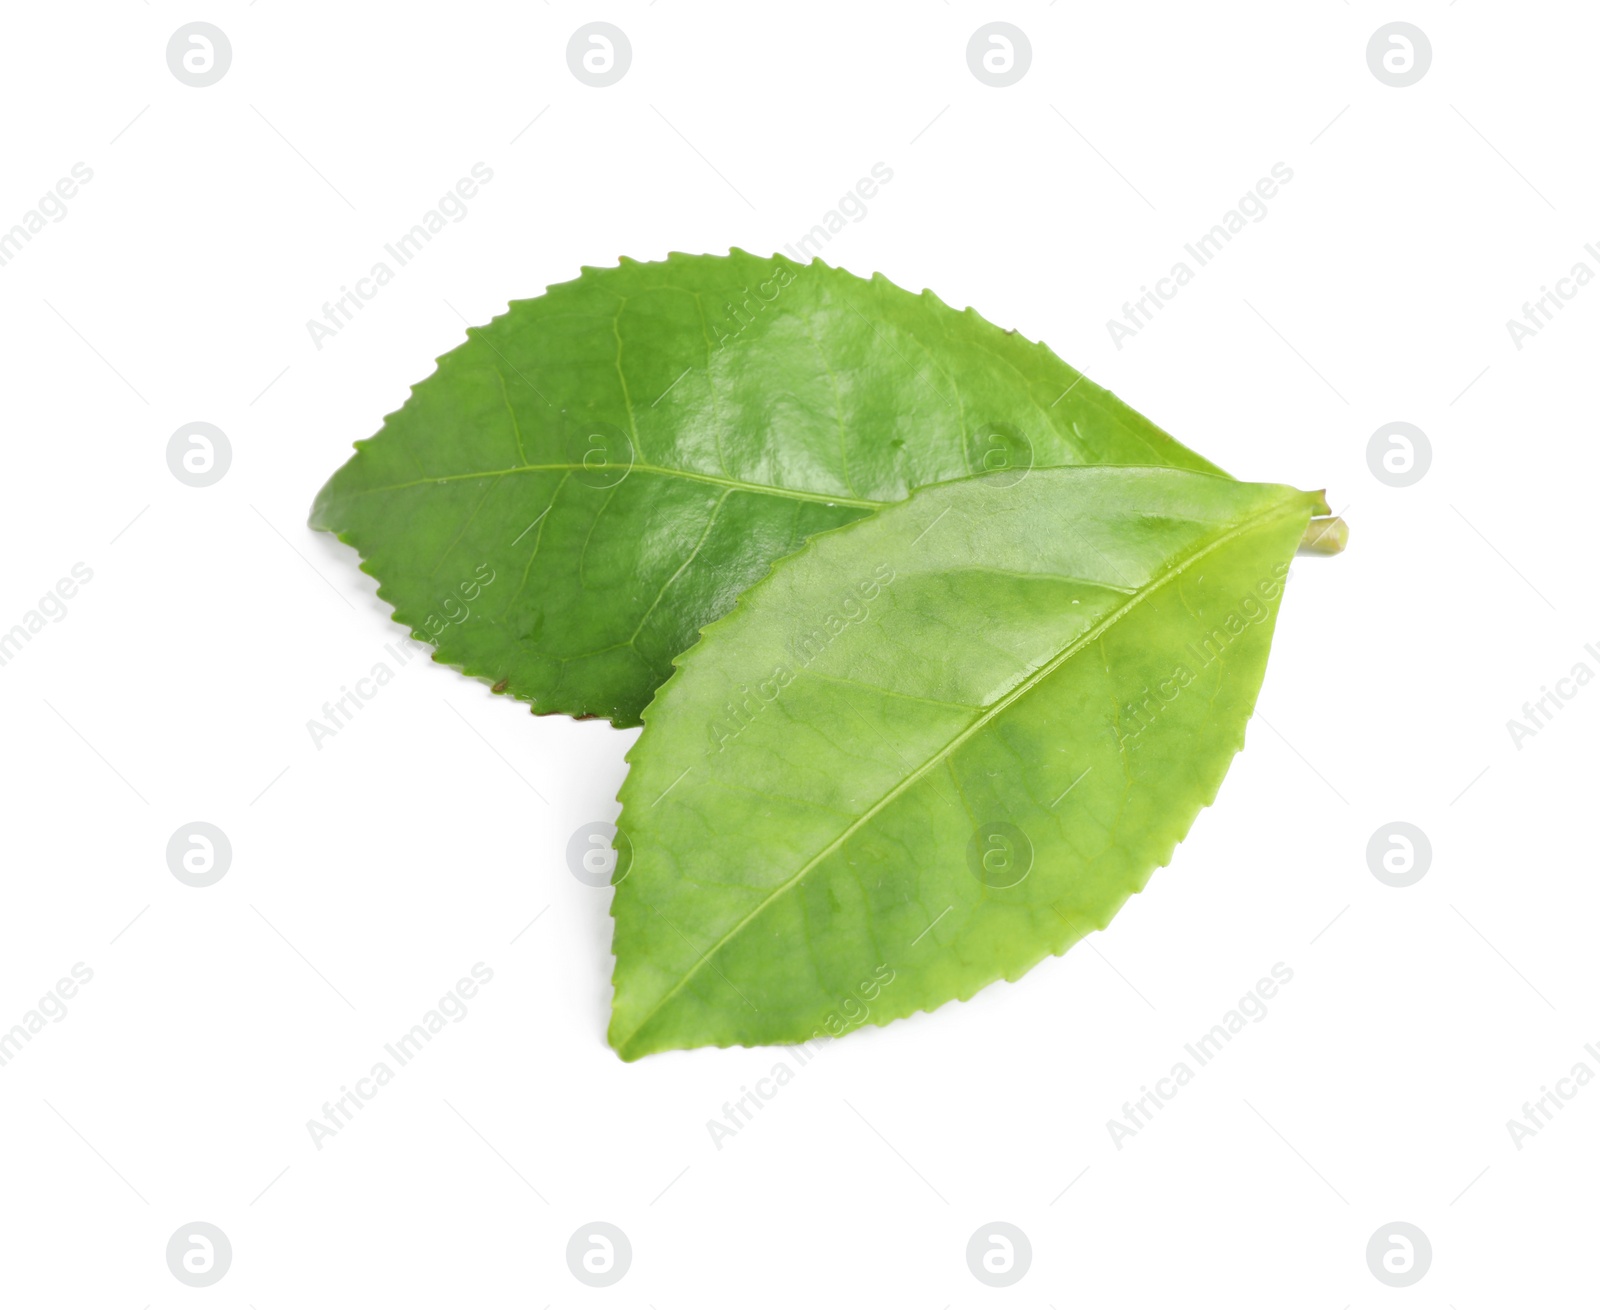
369	875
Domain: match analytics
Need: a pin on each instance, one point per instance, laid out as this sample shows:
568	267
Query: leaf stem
1325	536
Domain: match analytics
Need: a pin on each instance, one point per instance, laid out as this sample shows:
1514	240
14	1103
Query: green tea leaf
622	456
938	745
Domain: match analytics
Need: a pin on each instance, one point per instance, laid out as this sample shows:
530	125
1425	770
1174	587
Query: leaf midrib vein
731	484
948	749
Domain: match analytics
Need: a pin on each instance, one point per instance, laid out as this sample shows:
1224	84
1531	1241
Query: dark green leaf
622	456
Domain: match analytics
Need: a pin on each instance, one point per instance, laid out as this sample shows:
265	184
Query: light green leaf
622	456
938	745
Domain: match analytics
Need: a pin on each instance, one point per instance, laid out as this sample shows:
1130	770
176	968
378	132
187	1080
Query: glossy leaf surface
623	455
938	745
